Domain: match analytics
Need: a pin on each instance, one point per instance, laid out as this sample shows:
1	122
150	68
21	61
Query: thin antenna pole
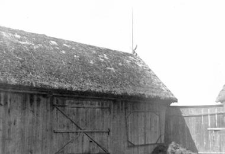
132	47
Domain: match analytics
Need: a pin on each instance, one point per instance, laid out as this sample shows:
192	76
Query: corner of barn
59	96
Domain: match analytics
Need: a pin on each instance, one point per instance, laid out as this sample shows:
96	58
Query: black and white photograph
112	77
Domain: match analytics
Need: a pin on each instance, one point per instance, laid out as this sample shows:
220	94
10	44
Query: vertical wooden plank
62	123
35	146
1	120
85	142
170	125
113	137
145	131
92	145
10	139
123	127
202	140
20	123
198	129
39	122
31	127
49	124
115	121
134	128
83	124
98	124
45	103
7	126
4	122
127	129
222	134
162	121
187	132
107	123
212	133
209	133
148	128
217	143
193	124
67	125
141	128
118	127
57	126
23	122
40	100
102	124
110	147
206	124
15	123
42	121
22	126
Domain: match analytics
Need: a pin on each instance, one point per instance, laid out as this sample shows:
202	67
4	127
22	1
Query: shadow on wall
176	130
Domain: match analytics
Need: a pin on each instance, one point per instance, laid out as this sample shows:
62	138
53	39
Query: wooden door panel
83	126
143	128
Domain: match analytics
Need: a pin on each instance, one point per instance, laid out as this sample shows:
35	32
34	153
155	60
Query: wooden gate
81	126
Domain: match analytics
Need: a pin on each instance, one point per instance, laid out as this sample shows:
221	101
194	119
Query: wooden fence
198	128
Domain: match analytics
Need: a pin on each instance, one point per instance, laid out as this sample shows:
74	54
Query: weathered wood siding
35	124
25	123
189	127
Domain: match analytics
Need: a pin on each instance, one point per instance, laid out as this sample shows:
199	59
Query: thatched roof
40	61
221	96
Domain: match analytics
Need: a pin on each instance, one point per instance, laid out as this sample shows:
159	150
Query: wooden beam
212	152
91	153
76	106
80	131
196	115
216	129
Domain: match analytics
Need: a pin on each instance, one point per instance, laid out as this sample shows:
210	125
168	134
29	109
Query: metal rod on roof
133	49
132	24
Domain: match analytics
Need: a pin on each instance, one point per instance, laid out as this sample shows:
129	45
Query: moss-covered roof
221	96
40	61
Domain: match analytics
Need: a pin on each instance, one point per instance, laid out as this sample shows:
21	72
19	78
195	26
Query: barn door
81	126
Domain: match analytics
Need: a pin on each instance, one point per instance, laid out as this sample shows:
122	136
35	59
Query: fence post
224	111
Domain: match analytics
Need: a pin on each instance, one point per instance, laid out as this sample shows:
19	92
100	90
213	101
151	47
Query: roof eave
69	93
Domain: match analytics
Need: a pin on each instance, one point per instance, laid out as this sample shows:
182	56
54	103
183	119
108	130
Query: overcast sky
183	42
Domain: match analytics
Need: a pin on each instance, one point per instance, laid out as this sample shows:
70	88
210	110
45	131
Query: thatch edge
80	94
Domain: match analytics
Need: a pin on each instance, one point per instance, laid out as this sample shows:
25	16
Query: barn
221	97
63	97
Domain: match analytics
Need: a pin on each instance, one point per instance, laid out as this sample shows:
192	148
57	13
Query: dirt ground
172	148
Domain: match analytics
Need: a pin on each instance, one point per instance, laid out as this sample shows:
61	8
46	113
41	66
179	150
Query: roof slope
221	96
36	60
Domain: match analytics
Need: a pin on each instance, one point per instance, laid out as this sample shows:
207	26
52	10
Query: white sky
182	41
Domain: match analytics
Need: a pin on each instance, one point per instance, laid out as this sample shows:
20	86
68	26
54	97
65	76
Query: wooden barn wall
35	124
25	124
190	127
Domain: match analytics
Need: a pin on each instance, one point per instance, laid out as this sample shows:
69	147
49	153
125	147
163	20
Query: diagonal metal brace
105	150
67	144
